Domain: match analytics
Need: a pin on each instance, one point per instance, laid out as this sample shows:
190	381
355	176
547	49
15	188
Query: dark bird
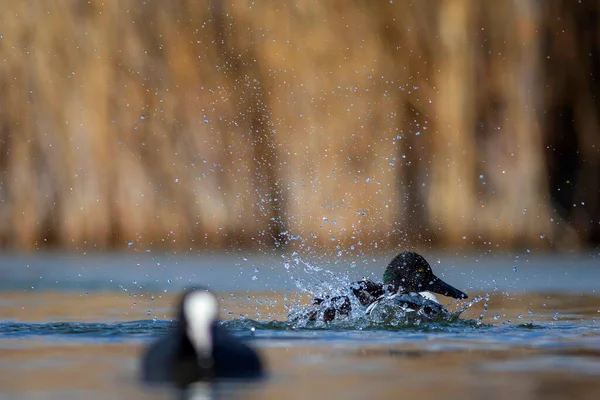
198	348
407	280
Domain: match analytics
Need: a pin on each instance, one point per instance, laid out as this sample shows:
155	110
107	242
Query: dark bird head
410	272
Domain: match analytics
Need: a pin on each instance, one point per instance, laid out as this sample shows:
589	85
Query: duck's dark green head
410	272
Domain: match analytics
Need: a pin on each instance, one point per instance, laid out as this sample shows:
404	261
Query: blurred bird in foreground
198	349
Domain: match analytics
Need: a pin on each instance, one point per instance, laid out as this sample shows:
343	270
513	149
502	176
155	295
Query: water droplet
130	243
496	317
152	298
254	277
255	270
514	269
148	312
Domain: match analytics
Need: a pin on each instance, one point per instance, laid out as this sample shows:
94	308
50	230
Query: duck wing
367	291
407	303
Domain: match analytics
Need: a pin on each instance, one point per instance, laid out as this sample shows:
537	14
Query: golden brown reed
187	124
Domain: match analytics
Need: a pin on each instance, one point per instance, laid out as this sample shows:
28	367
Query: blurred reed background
183	124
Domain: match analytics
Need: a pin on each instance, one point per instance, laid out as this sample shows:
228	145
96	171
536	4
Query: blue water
485	272
532	315
545	334
510	276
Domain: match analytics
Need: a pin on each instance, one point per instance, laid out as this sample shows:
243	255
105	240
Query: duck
198	348
408	282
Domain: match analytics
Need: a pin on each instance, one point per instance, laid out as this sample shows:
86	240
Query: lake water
74	326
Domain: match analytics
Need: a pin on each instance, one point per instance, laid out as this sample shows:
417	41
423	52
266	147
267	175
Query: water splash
315	280
322	283
388	315
249	327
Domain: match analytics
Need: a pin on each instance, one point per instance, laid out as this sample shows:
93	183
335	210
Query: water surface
82	337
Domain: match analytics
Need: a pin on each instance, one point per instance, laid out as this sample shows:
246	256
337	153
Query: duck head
410	272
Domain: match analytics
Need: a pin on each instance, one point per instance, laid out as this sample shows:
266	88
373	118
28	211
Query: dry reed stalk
191	124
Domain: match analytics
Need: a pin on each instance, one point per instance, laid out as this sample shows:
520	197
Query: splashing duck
408	283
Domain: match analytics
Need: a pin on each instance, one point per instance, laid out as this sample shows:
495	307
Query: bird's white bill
200	310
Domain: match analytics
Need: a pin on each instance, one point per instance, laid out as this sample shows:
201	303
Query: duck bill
441	287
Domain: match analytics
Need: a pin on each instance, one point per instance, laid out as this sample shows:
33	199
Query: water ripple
93	329
460	334
241	327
